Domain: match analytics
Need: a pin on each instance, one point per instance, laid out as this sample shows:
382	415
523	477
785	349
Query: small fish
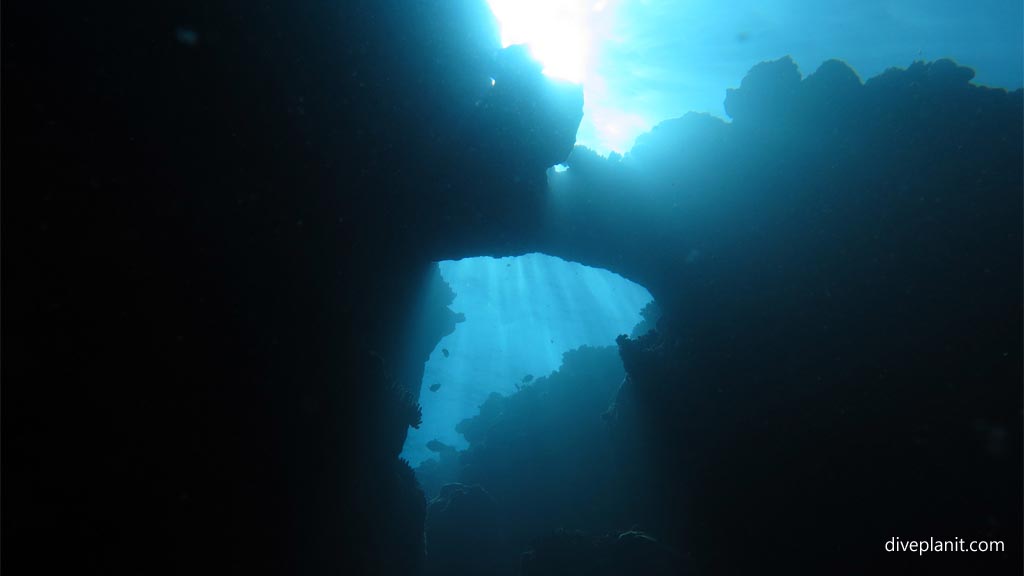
527	378
435	387
445	352
436	445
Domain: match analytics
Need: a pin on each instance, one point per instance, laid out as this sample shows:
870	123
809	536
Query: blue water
522	313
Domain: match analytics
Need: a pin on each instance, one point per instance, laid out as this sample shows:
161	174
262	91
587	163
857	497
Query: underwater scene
513	287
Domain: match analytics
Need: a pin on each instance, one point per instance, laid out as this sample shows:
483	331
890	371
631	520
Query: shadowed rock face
834	339
213	235
464	534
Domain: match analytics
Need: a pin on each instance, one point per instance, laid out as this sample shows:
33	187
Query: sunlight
570	38
558	33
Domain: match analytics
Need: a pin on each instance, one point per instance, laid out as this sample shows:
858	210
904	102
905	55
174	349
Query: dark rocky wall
219	222
839	360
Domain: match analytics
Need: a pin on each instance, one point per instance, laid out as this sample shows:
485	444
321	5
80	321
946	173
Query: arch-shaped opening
519	316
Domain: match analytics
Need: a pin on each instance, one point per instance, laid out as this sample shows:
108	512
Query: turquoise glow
522	314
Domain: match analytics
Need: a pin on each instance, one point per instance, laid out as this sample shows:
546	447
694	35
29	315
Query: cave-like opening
519	316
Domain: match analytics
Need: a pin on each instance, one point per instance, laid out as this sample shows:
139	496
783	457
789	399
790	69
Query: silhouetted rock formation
650	313
848	318
543	452
837	269
528	115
